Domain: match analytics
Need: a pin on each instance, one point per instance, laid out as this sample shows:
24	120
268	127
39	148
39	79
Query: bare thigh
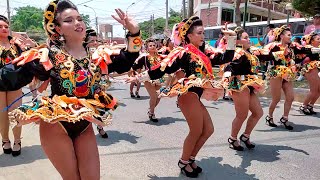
59	148
87	154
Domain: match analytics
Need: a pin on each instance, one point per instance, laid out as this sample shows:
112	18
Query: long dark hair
5	19
194	24
63	5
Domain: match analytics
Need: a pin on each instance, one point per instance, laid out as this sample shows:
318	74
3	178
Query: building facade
217	12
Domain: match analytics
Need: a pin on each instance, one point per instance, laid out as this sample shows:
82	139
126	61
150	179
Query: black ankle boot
182	166
269	121
197	169
152	117
284	121
233	146
6	151
245	140
16	153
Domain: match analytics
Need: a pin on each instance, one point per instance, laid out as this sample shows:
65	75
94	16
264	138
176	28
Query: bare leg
4	120
207	131
192	110
241	104
313	81
153	96
256	114
289	95
11	96
87	154
59	148
275	86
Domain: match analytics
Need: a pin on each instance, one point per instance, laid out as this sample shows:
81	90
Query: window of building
254	18
242	17
227	15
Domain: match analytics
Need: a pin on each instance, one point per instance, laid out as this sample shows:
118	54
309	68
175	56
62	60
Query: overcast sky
141	10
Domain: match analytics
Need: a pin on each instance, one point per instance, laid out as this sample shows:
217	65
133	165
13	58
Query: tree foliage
307	7
159	24
30	19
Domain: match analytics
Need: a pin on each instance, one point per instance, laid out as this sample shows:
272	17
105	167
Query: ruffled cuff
231	42
315	50
144	76
279	55
134	42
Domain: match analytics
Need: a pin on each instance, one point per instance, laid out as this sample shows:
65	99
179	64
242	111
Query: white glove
315	50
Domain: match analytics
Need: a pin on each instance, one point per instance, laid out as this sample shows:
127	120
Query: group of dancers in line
78	98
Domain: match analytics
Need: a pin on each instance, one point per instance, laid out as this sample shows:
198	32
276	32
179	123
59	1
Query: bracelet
144	76
231	42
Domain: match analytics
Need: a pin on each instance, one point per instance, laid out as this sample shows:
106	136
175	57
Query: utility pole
190	7
208	14
269	11
8	10
184	9
152	25
245	14
97	25
167	16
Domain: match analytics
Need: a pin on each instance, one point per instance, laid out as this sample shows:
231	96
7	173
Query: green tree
27	17
86	19
159	24
307	7
30	19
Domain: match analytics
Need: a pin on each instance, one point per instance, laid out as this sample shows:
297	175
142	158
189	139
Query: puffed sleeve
218	56
32	63
140	62
115	59
170	64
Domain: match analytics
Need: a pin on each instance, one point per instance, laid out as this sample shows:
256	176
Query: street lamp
95	14
289	8
127	15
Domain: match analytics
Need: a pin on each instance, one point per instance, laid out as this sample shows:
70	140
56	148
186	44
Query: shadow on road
264	153
213	169
29	154
296	128
116	137
162	121
139	99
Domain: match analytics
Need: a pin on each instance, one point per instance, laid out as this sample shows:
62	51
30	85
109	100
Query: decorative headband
49	23
307	38
279	31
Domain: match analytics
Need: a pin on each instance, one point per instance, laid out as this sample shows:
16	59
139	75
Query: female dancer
310	71
92	44
137	84
196	62
65	117
149	61
9	50
282	72
243	83
167	47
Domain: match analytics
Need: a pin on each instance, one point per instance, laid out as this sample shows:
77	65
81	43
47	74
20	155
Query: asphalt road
139	149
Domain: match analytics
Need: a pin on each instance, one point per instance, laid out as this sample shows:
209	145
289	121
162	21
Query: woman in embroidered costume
65	117
150	61
9	50
282	71
310	70
91	41
242	82
167	47
197	83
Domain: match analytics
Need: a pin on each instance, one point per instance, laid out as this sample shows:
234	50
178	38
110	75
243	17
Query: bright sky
141	10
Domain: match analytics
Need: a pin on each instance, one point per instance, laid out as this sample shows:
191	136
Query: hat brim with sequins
307	38
187	24
49	23
279	31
